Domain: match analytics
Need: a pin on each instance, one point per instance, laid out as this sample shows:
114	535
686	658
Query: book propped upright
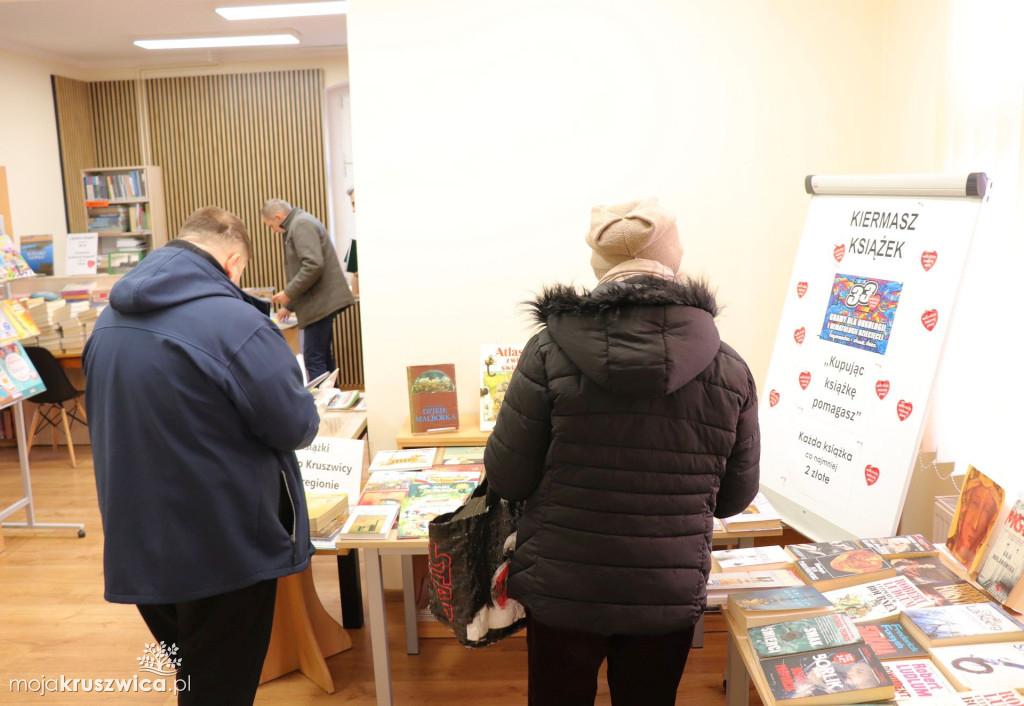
433	402
497	363
977	509
1001	570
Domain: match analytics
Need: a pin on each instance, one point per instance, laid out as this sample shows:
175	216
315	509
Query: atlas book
403	460
878	600
433	402
754	608
890	640
722	584
918	679
977	510
1001	570
954	593
369	522
759	514
803	635
827	573
982	666
767	557
942	626
836	675
497	363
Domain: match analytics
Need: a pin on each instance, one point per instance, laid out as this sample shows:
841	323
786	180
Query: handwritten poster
858	344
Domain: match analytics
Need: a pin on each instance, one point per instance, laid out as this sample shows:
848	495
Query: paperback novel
1001	570
890	641
839	570
977	509
803	635
812	677
877	600
981	667
917	679
767	557
750	609
961	624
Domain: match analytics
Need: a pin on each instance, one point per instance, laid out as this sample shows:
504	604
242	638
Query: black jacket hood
645	337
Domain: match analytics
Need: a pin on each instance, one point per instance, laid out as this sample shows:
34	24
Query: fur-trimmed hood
644	337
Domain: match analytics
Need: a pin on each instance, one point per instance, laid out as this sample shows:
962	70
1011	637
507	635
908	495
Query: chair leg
67	435
32	429
80	409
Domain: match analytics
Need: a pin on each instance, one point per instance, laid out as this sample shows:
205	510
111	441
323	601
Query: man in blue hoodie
196	407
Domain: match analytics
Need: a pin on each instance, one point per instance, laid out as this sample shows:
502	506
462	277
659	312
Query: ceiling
99	33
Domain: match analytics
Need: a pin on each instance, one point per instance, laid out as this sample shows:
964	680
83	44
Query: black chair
59	390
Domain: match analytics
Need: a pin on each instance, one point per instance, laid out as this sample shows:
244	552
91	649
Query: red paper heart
773	398
838	252
873	301
91	263
882	389
799	334
928	259
805	380
870	474
930	318
903	409
801	289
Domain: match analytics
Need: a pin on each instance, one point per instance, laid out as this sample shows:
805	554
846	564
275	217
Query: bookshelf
124	206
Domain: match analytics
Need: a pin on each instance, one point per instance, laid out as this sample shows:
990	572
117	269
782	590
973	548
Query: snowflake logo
159	659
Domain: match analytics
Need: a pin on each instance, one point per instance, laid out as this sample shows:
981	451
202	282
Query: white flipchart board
873	286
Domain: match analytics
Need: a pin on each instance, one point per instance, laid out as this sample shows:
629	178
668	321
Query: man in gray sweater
316	290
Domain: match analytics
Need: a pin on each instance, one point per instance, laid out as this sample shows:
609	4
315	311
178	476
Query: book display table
468	434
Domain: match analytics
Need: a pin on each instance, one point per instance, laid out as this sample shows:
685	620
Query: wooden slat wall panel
116	113
76	135
229	140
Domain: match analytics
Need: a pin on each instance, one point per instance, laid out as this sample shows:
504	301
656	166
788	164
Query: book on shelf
37	251
753	608
890	640
369	522
836	675
1001	570
954	593
942	626
878	600
759	514
122	261
977	510
497	363
917	679
803	635
324	508
770	556
403	459
982	666
433	402
833	571
722	584
18	368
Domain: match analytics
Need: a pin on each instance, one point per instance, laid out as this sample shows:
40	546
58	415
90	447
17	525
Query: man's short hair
274	207
216	226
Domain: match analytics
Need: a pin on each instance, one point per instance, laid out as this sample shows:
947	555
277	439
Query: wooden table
468	434
304	634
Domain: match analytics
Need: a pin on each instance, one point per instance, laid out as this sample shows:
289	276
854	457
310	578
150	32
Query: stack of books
44	313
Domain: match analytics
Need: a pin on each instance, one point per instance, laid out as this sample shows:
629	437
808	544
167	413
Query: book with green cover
802	635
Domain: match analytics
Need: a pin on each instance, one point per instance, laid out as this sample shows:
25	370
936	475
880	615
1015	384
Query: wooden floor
54	621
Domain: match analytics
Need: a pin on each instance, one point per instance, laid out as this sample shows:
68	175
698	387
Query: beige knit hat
633	230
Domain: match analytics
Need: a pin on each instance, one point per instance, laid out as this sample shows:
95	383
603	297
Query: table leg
351	593
746	542
737	682
698	633
378	626
412	641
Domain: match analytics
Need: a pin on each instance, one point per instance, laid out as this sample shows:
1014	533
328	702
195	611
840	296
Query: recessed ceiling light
299	9
257	40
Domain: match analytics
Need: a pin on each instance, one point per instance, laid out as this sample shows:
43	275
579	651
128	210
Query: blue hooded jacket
196	406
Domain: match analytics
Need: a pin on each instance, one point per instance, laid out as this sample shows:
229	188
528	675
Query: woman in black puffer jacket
627	425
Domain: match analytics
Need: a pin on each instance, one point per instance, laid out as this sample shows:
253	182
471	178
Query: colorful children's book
19	369
497	363
462	456
417	512
819	676
12	264
369	522
940	626
403	460
803	635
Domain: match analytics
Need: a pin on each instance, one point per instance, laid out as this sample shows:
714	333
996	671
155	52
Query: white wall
484	133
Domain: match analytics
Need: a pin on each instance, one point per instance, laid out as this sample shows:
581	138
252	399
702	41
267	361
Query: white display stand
26	503
859	341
